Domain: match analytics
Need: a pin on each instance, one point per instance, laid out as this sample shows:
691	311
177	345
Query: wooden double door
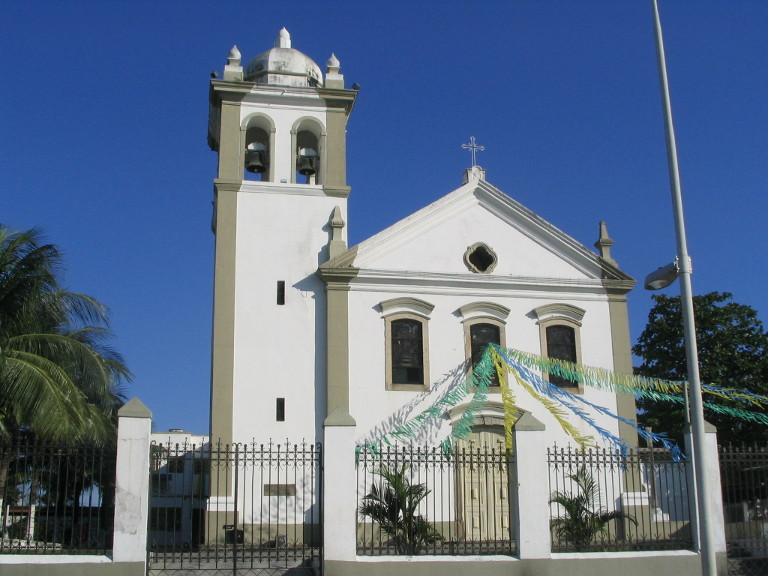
483	485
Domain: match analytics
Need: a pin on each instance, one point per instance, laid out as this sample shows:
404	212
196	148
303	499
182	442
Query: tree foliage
732	346
582	520
394	506
59	378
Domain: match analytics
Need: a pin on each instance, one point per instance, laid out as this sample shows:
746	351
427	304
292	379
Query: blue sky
103	143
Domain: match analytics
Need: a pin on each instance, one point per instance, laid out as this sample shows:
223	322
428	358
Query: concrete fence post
132	483
717	521
532	491
340	491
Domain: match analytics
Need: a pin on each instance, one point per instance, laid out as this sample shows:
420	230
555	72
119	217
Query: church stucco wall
372	405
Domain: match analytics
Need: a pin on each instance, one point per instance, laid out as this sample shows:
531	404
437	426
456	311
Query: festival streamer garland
475	385
641	386
571	402
523	366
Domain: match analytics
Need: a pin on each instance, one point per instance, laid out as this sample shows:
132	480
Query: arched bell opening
307	158
308	146
257	159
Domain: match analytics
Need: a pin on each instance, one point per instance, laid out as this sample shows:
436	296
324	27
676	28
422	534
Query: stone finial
333	65
234	57
283	39
332	77
604	244
337	245
233	70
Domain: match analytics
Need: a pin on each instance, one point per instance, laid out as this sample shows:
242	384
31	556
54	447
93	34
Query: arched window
559	329
484	324
406	335
561	344
480	335
308	145
407	344
257	161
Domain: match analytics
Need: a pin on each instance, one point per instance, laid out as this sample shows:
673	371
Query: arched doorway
483	478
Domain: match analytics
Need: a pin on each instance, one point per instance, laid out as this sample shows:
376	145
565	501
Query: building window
480	335
484	324
480	258
561	344
165	519
406	322
407	351
176	465
160	484
559	329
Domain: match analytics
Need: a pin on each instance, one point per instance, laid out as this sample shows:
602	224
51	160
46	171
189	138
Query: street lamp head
663	277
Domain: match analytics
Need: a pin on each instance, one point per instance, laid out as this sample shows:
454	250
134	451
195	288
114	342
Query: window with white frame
484	324
406	335
559	331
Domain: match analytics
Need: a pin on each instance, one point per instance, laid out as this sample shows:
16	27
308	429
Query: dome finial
283	39
333	65
234	56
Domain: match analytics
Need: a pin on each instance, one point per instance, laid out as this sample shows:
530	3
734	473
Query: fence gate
239	509
744	476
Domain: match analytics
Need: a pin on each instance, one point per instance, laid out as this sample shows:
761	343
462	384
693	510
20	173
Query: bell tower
278	126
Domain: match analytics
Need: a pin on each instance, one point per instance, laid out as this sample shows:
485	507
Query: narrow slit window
280	410
281	292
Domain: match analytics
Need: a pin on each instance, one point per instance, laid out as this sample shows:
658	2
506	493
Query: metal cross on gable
473	147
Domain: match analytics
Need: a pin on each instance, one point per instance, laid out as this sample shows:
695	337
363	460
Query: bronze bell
254	161
306	165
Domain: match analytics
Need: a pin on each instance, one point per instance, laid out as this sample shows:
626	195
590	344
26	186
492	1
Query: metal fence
425	500
605	501
56	499
744	478
235	508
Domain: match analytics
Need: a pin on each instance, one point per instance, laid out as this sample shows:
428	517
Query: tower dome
283	66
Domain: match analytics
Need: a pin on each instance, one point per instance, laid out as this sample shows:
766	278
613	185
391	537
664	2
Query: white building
178	484
341	348
310	331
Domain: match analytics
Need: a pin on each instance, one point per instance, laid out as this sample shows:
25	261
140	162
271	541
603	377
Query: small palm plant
394	506
581	522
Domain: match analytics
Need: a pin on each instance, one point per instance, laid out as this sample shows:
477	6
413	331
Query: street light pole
706	539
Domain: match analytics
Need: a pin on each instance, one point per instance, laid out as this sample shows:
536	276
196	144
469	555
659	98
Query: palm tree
582	521
394	507
59	379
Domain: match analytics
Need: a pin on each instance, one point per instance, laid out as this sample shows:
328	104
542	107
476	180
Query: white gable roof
432	242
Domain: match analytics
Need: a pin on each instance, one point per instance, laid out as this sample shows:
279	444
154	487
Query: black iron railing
239	508
56	499
426	500
602	500
744	478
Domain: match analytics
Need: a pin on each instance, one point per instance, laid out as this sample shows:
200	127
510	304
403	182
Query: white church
309	331
347	347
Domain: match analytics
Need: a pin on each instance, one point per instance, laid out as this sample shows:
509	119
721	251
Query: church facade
308	331
356	348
